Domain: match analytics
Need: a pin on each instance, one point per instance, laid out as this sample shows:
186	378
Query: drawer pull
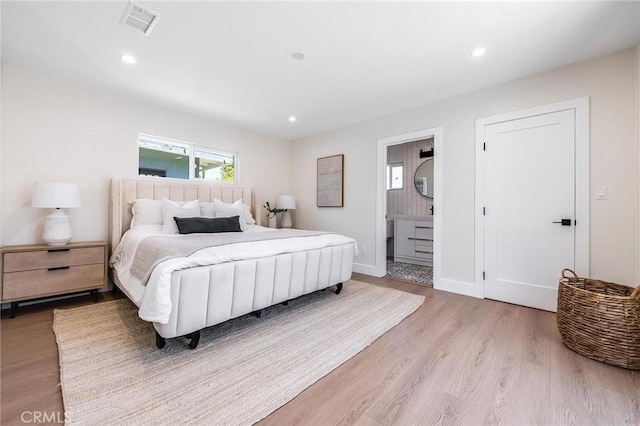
419	239
58	268
425	227
57	250
426	252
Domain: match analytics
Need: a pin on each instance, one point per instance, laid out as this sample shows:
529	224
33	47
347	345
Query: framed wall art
330	189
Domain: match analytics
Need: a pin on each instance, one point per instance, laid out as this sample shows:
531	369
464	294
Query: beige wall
58	130
609	82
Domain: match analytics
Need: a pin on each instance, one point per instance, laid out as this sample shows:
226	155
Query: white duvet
154	299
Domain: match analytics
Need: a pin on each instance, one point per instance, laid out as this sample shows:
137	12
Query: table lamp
286	202
58	196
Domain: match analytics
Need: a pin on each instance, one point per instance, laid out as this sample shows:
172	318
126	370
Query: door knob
564	222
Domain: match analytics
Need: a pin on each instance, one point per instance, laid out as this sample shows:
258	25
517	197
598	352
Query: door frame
582	189
381	197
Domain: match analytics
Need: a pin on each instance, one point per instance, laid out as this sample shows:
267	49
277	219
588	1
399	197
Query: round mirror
423	179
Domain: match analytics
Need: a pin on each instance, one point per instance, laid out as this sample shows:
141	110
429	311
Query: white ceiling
232	60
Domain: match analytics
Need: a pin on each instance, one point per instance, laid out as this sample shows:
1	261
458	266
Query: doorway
431	189
532	188
410	177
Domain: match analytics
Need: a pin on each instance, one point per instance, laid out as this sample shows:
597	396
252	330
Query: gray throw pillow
206	225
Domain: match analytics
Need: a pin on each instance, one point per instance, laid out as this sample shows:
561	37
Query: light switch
601	192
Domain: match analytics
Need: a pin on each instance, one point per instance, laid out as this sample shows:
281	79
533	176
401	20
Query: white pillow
171	209
248	216
146	212
222	209
207	210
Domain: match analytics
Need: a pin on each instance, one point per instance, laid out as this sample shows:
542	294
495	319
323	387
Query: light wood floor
456	360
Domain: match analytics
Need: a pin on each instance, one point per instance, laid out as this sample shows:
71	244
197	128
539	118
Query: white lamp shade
55	195
286	202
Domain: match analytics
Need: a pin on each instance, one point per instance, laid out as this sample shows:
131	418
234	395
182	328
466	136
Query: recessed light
292	119
298	56
478	51
128	59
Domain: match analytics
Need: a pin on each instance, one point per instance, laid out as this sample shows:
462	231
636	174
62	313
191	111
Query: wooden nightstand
35	271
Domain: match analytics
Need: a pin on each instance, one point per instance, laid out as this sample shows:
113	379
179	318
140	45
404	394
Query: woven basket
600	320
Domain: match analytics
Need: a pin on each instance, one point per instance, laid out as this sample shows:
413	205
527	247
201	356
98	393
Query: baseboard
459	287
366	269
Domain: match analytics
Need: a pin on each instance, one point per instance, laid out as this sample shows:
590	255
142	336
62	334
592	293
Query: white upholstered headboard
125	190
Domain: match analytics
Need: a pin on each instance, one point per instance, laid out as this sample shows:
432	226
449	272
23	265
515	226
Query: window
173	159
164	158
394	175
214	166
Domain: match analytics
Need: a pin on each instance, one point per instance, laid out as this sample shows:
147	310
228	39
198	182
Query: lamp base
57	229
286	220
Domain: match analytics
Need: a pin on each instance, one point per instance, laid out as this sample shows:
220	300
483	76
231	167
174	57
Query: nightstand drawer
52	258
43	282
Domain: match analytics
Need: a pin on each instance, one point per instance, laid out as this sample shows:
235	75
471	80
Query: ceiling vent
139	18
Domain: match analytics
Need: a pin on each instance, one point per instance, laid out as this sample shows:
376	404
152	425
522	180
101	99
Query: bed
185	294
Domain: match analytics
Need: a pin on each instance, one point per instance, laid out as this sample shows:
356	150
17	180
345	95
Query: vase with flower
271	214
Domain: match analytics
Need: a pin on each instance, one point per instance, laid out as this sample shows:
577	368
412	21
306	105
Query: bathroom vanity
413	240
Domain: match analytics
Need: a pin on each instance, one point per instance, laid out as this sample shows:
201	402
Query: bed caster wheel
257	313
338	288
195	339
160	341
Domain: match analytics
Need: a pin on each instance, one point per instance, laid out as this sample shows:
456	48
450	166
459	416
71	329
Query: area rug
243	370
406	271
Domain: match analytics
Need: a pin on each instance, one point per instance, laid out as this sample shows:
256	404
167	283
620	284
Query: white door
529	192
